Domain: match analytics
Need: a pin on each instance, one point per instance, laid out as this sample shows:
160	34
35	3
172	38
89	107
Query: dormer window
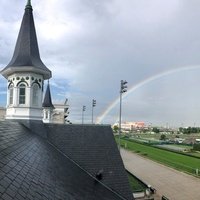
22	93
35	94
10	94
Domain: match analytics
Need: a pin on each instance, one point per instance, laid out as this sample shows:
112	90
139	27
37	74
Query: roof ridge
105	186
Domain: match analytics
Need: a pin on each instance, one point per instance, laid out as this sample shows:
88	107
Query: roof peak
28	5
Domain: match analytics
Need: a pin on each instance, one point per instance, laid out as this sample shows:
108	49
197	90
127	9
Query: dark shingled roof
47	103
26	54
34	167
94	149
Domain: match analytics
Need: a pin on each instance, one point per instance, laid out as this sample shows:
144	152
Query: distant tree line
189	130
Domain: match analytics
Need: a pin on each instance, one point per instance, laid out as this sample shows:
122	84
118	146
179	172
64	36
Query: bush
196	147
163	137
155	130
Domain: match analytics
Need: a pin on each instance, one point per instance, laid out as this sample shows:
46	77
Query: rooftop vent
99	174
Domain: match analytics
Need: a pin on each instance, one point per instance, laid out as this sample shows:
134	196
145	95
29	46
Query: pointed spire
47	103
26	56
28	5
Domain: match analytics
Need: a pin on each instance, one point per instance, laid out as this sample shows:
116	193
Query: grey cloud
106	41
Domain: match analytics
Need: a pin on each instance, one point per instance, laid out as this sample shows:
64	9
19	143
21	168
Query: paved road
173	184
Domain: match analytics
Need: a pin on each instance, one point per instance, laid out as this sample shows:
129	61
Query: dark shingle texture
26	50
94	149
31	168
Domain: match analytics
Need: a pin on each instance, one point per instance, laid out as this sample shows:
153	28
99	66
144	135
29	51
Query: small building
130	126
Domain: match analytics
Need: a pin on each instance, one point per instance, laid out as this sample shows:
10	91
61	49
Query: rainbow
141	84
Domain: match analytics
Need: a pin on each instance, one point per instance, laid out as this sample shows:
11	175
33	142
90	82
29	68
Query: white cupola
25	73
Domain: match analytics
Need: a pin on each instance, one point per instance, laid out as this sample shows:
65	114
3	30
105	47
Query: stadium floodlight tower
123	89
83	110
93	105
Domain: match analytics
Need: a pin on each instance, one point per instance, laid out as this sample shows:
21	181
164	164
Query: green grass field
170	136
135	185
154	139
180	162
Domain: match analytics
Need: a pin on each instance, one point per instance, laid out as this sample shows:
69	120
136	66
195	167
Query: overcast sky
90	45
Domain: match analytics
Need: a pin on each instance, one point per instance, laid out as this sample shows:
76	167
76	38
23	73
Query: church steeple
26	73
26	56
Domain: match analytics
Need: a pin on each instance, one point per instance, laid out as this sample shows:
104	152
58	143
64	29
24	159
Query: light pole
93	105
83	110
123	89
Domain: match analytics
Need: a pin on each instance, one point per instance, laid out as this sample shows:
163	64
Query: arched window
35	95
22	93
11	94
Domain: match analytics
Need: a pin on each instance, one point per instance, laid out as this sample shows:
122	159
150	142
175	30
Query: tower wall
31	108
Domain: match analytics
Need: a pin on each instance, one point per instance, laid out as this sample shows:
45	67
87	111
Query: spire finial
28	5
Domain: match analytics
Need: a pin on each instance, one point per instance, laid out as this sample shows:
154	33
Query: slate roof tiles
32	168
94	149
